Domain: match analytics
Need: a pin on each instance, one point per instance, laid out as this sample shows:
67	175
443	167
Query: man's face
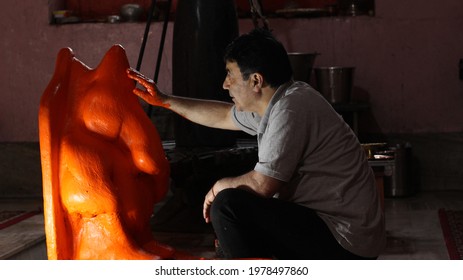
239	89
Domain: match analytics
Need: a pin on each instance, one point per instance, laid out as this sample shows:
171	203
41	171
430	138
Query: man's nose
225	84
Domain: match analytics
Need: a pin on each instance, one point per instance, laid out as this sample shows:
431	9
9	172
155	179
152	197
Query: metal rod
161	49
163	38
145	35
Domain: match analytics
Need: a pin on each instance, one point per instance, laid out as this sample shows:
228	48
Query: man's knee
230	204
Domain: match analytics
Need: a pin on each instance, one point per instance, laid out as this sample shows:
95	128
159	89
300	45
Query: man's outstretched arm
211	113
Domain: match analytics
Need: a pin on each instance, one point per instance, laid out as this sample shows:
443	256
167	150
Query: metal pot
335	83
131	12
302	63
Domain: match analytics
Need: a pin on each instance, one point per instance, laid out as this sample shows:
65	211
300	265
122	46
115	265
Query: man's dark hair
258	51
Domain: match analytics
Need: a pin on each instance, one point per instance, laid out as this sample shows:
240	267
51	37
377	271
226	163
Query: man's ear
257	80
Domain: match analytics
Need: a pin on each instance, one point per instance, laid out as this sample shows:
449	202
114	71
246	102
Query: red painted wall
406	60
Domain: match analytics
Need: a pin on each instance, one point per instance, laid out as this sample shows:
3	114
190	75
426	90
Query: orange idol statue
103	164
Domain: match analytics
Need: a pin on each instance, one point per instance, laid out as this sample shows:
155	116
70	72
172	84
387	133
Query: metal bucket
399	182
302	64
335	83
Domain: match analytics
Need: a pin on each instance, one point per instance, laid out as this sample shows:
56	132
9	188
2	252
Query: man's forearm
252	181
211	113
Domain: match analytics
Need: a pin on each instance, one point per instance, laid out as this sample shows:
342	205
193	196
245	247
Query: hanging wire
257	13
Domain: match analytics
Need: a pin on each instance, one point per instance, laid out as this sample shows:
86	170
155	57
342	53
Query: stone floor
412	223
413	227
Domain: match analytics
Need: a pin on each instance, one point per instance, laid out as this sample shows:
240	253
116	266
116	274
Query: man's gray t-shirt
305	143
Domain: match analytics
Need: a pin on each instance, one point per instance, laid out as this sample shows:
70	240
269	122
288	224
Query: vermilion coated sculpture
103	165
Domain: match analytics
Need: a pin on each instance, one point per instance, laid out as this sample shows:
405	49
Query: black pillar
202	30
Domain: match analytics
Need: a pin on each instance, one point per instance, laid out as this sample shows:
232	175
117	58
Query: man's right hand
152	94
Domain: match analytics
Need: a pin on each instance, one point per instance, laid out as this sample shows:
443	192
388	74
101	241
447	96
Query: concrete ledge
23	239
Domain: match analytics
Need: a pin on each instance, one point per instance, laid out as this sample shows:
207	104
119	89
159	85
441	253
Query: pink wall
406	60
